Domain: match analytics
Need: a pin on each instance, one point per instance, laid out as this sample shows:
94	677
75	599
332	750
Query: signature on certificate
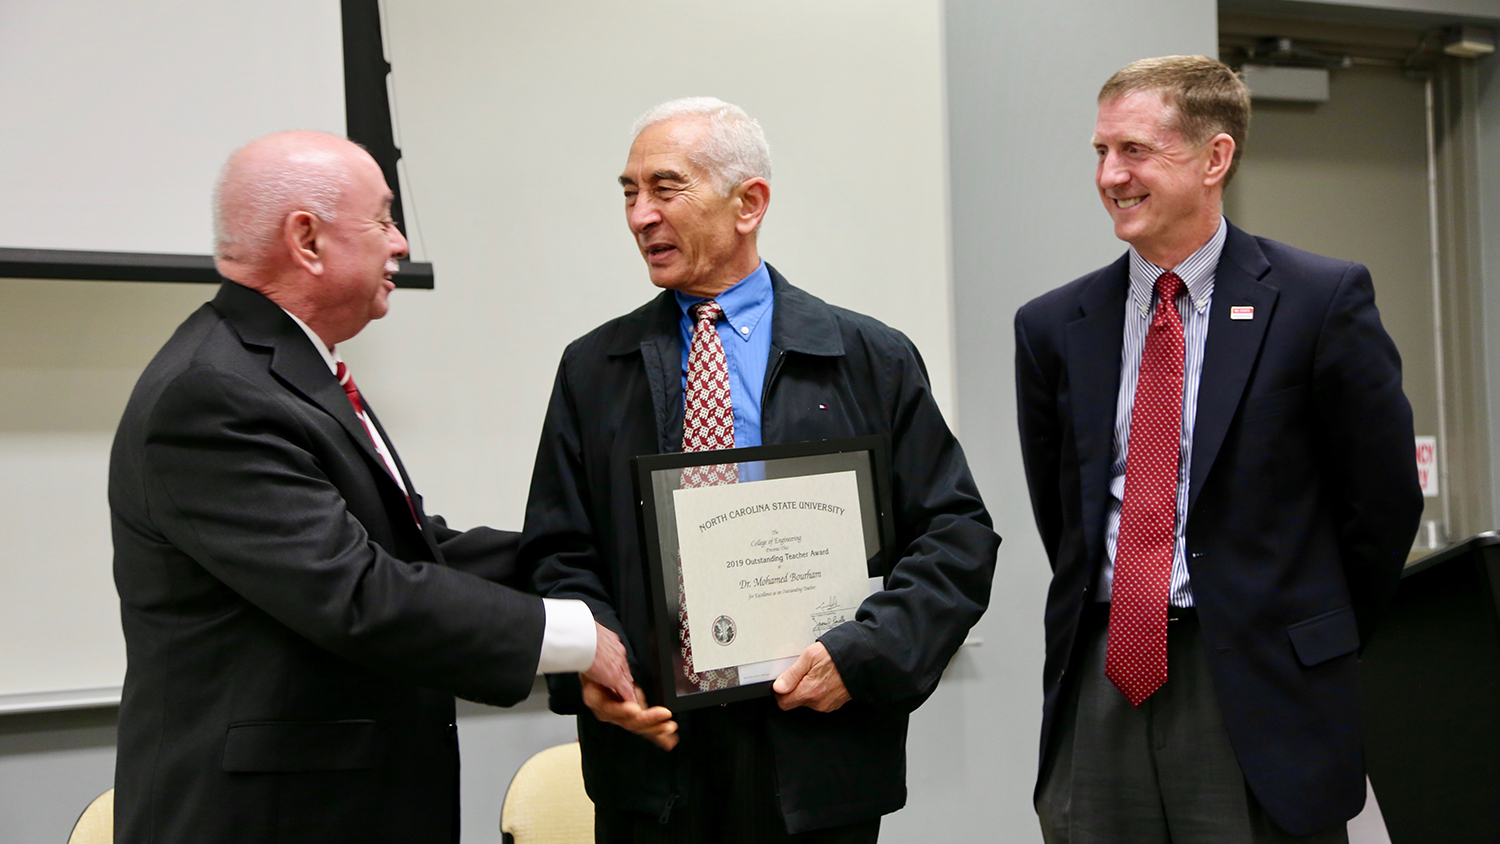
828	615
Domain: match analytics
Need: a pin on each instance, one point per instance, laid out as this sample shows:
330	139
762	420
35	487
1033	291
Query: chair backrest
97	823
546	803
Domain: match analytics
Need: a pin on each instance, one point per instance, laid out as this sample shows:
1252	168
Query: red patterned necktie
1136	661
708	418
352	392
707	425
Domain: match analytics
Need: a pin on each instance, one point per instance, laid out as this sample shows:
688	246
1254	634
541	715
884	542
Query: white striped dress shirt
1197	272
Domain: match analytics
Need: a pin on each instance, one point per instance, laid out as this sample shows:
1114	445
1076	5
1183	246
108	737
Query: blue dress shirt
745	332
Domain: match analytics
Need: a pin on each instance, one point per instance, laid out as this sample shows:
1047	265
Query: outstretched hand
654	724
610	668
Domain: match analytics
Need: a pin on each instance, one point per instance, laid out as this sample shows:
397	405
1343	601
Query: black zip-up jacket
831	373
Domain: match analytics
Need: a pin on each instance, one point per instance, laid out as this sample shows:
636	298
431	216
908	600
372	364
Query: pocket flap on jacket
286	746
1323	637
1270	404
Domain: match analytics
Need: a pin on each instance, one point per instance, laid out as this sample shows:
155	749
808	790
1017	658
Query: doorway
1374	174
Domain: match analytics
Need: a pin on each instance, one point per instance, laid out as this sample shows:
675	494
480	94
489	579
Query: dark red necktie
1136	661
352	392
347	382
707	425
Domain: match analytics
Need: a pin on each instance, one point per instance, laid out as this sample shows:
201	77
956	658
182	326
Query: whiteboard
118	115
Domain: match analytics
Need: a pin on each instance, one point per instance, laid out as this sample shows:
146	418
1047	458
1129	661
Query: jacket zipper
666	811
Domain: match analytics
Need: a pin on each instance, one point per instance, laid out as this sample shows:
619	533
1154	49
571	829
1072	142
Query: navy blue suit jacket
1302	504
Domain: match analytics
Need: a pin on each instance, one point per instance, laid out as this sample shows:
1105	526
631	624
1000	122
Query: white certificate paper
769	566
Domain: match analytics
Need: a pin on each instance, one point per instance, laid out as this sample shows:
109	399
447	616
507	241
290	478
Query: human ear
754	196
1220	156
299	233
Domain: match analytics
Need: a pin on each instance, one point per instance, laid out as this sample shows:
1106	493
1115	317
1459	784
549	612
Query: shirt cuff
569	637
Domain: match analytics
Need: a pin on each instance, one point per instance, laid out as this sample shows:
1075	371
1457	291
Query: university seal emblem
723	630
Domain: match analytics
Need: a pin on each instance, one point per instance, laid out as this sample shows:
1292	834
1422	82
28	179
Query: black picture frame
657	475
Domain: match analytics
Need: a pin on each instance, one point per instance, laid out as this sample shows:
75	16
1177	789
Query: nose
399	246
642	214
1111	172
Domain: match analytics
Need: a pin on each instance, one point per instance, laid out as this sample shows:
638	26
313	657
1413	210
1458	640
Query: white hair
253	197
734	148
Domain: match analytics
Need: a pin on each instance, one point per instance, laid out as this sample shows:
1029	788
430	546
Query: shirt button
745	329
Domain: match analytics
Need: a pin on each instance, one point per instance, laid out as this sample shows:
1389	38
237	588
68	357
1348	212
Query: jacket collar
800	322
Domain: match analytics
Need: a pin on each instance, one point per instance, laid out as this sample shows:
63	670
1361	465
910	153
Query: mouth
658	252
1131	202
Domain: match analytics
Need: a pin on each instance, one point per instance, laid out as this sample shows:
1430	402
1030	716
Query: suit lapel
294	361
1231	348
304	370
1093	354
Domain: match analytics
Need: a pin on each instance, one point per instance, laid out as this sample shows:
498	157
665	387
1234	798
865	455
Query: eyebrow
658	176
1129	139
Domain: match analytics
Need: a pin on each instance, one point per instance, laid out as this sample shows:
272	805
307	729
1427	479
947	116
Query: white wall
69	355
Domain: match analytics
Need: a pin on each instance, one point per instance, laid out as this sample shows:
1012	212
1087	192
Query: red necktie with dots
1136	660
707	424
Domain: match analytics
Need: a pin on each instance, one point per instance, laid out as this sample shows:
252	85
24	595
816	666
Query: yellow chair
545	803
97	823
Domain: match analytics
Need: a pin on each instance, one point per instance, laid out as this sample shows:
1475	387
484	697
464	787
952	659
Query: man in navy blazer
1296	496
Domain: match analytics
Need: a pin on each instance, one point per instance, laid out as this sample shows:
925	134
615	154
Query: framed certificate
752	554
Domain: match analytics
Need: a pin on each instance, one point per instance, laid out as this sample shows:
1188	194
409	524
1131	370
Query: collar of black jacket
800	322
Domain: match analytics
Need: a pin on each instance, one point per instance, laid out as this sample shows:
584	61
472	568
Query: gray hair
255	193
734	148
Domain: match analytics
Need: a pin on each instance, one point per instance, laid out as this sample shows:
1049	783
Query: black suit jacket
1302	504
831	373
293	638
